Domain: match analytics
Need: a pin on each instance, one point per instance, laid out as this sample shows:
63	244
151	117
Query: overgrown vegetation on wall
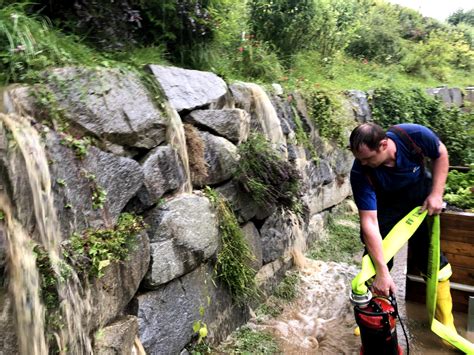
233	260
267	178
88	253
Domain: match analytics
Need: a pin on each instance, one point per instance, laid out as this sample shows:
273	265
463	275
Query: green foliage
255	60
286	24
439	54
268	178
378	39
2	215
288	289
461	16
342	241
248	341
459	189
50	111
325	110
455	128
79	145
29	45
180	24
99	248
233	260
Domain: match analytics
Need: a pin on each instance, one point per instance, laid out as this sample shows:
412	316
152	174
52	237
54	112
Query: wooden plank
458	235
416	292
463	276
459	260
459	248
457	220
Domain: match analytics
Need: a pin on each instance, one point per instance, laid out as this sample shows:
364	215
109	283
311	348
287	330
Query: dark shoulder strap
415	151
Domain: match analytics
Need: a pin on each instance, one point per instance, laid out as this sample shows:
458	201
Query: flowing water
177	139
266	117
321	319
74	304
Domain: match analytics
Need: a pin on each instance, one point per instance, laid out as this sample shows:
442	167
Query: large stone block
110	104
117	338
183	233
189	89
166	316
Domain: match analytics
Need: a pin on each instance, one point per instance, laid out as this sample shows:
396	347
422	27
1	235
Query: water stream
177	139
321	319
266	117
74	306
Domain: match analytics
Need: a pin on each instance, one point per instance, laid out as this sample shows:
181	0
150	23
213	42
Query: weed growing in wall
99	248
324	109
287	289
265	176
233	260
248	341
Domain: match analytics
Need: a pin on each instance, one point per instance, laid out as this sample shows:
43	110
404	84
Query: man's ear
383	144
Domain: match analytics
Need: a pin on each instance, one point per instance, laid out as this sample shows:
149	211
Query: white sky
439	9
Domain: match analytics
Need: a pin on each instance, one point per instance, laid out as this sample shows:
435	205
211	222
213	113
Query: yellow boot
357	331
444	305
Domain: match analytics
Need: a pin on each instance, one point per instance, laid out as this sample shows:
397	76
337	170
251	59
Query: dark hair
370	134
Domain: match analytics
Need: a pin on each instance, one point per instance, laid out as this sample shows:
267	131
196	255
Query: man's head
368	143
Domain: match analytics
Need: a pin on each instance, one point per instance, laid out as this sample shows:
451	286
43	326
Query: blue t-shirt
406	171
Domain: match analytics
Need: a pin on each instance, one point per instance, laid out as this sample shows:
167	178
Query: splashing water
74	301
177	139
322	308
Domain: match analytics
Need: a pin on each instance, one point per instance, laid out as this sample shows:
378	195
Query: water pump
376	318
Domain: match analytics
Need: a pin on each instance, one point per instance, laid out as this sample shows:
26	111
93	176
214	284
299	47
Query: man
388	180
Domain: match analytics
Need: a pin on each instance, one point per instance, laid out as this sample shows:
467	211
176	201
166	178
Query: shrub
459	189
286	24
28	45
378	38
325	110
392	106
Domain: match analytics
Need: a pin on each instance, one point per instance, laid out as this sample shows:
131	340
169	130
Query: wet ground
321	320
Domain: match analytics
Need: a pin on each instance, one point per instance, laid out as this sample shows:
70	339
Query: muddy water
321	320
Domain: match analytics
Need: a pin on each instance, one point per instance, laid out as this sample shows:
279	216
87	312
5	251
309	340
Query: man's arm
434	200
383	283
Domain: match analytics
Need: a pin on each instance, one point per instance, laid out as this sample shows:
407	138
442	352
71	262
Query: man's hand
383	285
433	203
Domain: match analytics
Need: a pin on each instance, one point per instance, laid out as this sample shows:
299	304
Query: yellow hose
392	243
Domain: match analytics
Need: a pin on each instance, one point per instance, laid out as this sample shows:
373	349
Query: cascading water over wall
74	305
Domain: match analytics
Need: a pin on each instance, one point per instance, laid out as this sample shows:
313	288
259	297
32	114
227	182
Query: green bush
379	37
28	45
459	189
286	24
455	128
325	110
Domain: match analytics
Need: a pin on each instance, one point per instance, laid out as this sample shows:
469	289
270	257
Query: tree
462	17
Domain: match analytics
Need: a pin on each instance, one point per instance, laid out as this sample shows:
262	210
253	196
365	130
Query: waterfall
24	285
177	139
74	305
299	242
266	116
